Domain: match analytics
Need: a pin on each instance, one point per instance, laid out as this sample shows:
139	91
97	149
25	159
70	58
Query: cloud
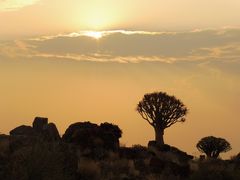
12	5
133	46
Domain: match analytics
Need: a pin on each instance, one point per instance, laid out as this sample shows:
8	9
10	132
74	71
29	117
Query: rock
22	141
89	135
23	130
152	144
80	133
41	130
4	145
169	152
40	123
162	148
111	128
110	134
51	133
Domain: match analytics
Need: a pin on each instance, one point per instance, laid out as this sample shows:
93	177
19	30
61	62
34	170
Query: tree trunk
215	155
159	136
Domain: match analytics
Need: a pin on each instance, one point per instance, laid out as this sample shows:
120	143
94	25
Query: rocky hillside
90	151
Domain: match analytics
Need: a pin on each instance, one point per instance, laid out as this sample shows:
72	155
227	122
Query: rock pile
40	128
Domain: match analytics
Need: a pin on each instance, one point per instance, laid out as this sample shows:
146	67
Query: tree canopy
213	146
159	108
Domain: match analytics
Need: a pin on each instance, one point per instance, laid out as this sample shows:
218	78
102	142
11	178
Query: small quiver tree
213	146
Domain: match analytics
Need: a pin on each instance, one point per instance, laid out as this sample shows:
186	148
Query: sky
80	60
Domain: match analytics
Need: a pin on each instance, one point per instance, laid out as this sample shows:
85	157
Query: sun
97	16
94	34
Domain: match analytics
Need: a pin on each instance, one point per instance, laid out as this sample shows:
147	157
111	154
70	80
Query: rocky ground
91	151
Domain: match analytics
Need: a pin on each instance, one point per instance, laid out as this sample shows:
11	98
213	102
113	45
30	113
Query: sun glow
98	16
94	34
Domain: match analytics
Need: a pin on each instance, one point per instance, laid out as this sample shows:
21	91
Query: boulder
51	133
41	130
23	130
152	144
110	134
79	132
40	123
89	135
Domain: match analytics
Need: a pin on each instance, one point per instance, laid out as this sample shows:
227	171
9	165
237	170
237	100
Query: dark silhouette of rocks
89	135
169	152
75	132
23	130
110	135
41	130
51	133
166	156
92	151
21	141
40	123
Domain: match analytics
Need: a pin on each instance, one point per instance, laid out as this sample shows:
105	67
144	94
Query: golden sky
94	60
25	17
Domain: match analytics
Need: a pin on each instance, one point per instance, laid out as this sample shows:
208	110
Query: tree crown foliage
161	109
213	146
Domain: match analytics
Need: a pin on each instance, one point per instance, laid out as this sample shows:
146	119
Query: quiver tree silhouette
213	146
161	111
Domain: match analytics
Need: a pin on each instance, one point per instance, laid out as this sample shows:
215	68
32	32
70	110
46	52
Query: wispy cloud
133	46
12	5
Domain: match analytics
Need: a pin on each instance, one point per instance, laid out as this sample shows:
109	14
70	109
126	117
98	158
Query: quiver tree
161	111
213	146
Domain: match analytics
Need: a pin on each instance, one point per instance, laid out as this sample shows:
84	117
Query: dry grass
88	169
